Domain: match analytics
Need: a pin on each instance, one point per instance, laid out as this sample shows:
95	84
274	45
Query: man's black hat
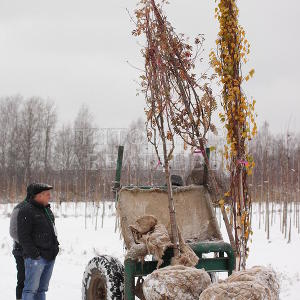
36	188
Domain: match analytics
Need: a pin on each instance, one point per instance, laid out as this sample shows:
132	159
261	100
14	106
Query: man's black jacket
36	231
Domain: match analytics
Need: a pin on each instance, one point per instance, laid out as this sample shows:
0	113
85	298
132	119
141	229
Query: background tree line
79	158
277	166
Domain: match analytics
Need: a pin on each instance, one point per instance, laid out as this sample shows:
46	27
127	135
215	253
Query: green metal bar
117	182
219	247
216	264
129	279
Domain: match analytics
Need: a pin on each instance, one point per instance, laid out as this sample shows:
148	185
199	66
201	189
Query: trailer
107	277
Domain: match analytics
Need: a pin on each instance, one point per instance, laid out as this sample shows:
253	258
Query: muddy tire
103	279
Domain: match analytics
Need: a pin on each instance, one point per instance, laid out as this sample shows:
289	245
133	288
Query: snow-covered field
79	245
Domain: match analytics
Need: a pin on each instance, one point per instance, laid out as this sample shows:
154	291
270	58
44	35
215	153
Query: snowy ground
79	245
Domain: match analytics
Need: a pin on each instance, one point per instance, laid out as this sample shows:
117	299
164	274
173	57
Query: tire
103	279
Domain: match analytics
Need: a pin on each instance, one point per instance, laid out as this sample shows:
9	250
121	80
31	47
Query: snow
79	245
277	253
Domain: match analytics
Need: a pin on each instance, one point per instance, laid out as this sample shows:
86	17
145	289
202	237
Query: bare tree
49	119
31	124
85	142
64	148
9	142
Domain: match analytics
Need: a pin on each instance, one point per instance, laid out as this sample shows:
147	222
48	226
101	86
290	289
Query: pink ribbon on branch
158	164
243	162
199	151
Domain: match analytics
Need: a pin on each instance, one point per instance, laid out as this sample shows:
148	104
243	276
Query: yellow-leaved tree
238	118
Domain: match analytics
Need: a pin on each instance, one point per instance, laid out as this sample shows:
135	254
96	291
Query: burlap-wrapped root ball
144	224
257	283
176	283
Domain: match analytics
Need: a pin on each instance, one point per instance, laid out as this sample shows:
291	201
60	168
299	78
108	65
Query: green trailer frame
134	269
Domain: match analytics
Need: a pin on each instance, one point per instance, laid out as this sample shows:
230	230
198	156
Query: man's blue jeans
37	276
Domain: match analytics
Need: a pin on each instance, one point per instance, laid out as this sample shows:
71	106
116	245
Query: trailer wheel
103	279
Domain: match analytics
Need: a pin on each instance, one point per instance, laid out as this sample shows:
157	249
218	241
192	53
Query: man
17	249
37	236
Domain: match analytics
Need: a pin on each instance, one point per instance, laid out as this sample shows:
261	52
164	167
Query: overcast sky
76	52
